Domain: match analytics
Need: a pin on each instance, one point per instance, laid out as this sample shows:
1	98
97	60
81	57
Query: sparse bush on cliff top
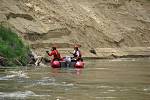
12	47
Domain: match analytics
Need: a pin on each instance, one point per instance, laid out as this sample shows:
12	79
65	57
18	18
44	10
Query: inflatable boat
67	62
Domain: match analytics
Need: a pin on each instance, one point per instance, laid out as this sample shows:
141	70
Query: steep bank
91	23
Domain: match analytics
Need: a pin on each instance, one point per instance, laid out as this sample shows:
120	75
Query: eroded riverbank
108	53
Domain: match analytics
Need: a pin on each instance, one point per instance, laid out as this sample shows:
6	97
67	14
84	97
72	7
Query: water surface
119	79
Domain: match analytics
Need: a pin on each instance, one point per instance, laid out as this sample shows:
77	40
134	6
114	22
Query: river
118	79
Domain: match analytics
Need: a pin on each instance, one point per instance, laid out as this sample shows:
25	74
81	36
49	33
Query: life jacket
76	55
55	53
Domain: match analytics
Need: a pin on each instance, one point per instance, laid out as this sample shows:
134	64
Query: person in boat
54	52
77	56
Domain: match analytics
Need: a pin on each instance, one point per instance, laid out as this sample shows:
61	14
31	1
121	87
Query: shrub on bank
12	48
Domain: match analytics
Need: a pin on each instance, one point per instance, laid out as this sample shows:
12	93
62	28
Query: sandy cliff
90	23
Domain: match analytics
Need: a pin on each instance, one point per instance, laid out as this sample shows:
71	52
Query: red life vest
55	53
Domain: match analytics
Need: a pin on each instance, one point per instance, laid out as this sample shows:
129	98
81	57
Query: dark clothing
77	55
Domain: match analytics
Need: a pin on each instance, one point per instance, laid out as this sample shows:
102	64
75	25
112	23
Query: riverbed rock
2	61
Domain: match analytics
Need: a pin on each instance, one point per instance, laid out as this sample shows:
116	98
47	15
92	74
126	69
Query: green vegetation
12	48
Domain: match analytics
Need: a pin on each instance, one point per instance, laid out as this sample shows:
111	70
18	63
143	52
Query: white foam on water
54	84
111	90
7	77
13	74
101	68
105	97
47	81
146	89
103	86
97	69
20	74
19	94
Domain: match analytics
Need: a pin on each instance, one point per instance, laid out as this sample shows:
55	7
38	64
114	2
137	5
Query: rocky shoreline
112	53
106	29
105	53
99	53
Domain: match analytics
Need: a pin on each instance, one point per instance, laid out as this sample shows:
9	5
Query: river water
119	79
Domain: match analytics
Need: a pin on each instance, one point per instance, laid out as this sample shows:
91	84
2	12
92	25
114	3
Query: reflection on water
119	79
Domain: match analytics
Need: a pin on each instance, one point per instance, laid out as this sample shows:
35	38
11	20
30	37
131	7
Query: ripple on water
104	86
13	74
47	81
19	94
105	98
146	89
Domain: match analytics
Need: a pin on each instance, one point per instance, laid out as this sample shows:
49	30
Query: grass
148	0
12	47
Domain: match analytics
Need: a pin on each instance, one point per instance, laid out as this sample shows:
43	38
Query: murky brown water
122	79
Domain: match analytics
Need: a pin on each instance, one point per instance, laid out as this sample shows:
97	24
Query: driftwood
18	62
2	61
32	59
35	59
38	60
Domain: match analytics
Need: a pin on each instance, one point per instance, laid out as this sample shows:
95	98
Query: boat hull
64	64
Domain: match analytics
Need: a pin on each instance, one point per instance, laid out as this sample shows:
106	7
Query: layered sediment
114	28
